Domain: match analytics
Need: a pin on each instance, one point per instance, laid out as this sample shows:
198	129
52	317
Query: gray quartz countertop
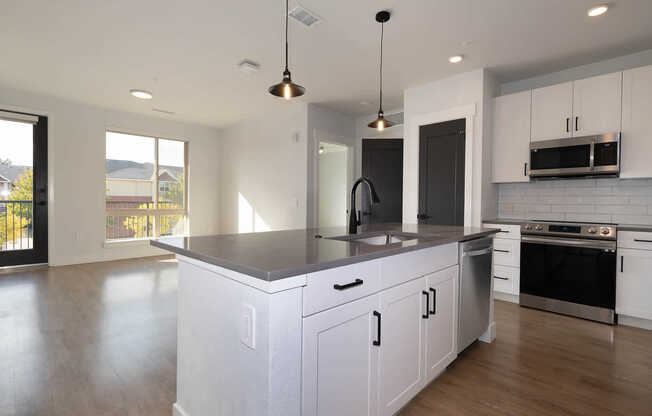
507	221
278	254
635	227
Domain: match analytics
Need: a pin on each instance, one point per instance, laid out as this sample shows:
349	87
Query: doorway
442	173
333	184
382	163
23	189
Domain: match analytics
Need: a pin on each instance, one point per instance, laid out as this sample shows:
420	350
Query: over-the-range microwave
577	156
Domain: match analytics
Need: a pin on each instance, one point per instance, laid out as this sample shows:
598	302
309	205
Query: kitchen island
315	322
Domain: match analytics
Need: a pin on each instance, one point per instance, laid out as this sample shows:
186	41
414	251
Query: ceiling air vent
396	118
304	16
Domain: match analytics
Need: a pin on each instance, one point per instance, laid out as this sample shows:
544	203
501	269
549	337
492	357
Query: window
146	186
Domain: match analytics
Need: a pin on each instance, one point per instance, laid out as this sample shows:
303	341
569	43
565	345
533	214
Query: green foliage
17	220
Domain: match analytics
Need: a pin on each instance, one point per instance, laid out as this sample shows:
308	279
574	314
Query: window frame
156	213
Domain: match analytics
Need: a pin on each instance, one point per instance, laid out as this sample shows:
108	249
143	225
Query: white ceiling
95	51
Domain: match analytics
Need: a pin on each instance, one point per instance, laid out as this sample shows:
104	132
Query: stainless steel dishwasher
475	290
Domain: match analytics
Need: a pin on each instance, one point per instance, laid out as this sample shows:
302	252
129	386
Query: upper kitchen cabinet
637	134
597	105
581	108
511	135
552	111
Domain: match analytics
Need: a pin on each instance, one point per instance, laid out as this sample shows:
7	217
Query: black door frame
39	253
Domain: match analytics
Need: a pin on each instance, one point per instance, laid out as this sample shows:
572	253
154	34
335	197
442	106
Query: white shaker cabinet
636	144
338	344
597	105
552	112
511	137
440	336
634	283
401	369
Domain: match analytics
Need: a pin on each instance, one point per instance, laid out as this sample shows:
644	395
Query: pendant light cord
382	33
287	12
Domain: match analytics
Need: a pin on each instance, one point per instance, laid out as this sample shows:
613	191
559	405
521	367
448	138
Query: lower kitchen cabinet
634	283
340	360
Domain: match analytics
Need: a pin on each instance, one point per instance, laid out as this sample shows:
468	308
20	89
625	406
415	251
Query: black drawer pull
357	282
377	341
501	251
425	315
622	263
504	231
501	278
434	301
642	241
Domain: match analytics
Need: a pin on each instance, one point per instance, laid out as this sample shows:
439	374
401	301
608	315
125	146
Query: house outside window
146	187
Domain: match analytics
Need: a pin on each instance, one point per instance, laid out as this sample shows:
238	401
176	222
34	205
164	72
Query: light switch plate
248	326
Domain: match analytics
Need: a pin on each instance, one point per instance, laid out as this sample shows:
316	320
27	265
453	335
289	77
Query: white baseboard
506	297
635	322
178	411
490	334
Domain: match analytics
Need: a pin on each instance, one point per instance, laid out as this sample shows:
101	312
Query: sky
16	142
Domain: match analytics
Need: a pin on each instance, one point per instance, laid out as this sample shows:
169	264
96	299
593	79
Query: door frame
411	146
50	169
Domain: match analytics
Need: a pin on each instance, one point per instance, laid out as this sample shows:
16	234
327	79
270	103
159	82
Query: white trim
17	117
490	334
634	322
127	242
178	411
412	125
260	284
506	297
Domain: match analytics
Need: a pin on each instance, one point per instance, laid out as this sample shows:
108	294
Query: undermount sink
376	239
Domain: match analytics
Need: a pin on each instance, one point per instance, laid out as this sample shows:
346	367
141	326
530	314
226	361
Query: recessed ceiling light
598	10
142	94
456	59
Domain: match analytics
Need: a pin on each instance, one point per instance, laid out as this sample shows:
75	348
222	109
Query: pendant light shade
380	123
286	88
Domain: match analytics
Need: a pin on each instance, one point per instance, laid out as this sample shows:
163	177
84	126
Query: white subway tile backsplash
624	201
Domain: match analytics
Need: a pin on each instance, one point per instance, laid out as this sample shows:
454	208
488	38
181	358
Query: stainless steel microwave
577	156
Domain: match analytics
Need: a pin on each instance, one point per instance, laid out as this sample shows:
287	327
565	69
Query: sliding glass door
23	189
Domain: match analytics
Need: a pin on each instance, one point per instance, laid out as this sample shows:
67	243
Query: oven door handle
601	245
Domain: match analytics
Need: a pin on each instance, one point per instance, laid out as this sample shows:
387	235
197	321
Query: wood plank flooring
100	339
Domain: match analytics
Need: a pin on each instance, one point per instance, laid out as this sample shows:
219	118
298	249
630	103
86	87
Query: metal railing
124	221
16	225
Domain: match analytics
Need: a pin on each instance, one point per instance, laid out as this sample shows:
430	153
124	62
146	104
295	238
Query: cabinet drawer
403	267
635	239
509	231
506	279
353	282
507	252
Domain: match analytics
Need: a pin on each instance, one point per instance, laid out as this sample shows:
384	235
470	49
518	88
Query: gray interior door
441	173
382	163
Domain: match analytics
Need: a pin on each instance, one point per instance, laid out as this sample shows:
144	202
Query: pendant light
380	123
286	88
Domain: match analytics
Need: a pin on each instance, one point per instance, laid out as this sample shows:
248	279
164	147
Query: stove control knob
605	231
528	227
592	230
539	228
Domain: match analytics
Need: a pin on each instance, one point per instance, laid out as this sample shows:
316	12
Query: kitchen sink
377	239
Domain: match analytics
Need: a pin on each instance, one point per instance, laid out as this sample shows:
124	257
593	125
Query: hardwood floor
100	339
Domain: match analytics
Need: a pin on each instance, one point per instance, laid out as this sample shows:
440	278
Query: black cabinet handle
501	278
642	241
504	231
501	251
356	282
525	169
622	261
378	322
567	124
434	301
425	316
577	120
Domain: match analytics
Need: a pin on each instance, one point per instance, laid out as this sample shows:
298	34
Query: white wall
450	95
76	173
333	186
263	164
597	68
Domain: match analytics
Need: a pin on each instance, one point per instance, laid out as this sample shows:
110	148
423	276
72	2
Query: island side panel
216	372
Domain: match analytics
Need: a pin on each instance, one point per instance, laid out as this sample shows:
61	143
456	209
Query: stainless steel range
569	268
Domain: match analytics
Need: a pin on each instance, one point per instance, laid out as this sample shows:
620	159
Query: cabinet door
636	144
634	283
597	105
552	109
441	325
400	369
511	137
339	360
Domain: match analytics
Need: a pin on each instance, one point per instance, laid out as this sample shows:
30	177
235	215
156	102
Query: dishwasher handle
475	253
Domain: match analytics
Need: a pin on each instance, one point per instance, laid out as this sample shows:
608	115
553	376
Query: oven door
570	276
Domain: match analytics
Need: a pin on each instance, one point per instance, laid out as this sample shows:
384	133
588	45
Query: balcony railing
16	225
138	220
